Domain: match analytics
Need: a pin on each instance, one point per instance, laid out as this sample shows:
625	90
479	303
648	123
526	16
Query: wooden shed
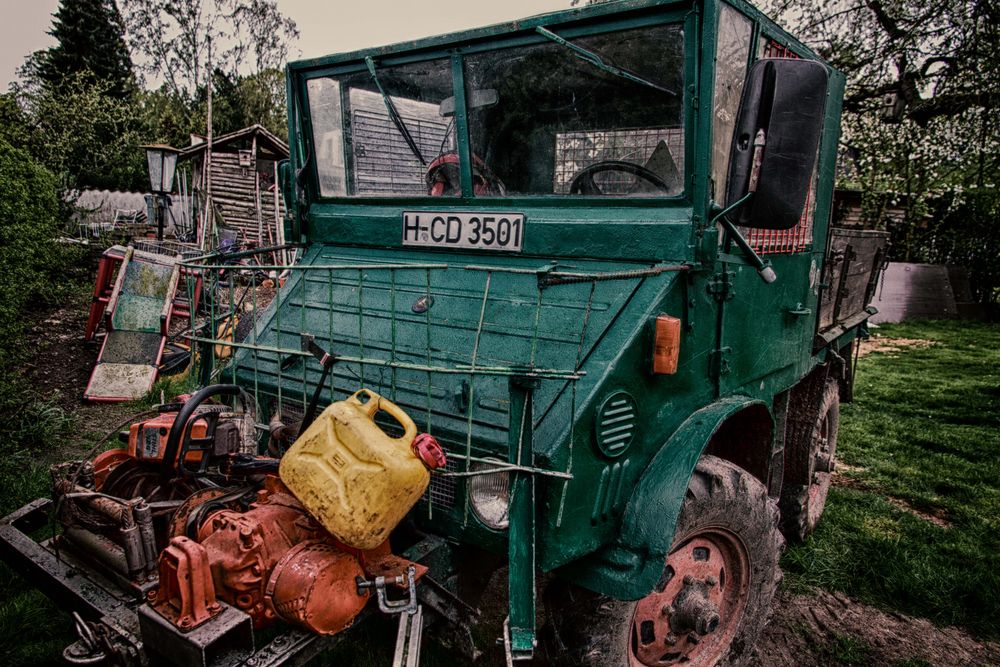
243	183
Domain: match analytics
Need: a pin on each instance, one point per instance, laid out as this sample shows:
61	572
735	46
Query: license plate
487	231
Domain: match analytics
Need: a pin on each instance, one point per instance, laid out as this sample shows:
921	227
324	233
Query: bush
29	254
962	232
35	274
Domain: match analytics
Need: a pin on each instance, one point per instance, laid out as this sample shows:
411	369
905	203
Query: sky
325	26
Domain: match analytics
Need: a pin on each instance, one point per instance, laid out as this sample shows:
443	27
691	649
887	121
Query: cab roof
594	13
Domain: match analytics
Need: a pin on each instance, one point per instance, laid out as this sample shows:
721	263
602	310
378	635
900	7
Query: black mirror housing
781	118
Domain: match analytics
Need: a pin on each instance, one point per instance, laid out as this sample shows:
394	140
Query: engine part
311	586
272	561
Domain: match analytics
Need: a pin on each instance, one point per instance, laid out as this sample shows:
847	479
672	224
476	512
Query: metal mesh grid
442	490
798	238
578	150
383	163
269	361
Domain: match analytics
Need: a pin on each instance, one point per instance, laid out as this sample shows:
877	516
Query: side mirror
775	141
477	98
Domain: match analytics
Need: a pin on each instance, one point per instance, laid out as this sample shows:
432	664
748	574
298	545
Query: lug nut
708	624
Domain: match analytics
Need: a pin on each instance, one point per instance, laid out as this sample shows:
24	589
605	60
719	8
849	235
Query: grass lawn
921	438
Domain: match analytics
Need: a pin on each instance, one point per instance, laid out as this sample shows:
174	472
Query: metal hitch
408	605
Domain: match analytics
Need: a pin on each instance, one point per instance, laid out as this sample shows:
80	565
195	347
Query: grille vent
616	424
441	491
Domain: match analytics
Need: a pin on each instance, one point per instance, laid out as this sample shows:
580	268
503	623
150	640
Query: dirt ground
60	370
831	629
817	629
886	345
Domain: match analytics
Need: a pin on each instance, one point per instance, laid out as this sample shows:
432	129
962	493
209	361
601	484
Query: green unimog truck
591	253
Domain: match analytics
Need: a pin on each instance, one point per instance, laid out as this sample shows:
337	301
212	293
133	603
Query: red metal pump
272	561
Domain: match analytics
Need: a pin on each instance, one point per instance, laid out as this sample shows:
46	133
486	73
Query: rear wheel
802	504
712	600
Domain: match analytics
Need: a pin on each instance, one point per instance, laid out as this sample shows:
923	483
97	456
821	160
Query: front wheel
712	600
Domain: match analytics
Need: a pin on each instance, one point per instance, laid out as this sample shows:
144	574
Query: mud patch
938	516
886	345
822	628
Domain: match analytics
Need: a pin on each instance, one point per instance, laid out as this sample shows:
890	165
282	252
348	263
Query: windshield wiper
598	62
394	116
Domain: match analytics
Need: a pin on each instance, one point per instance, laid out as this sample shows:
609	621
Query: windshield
600	115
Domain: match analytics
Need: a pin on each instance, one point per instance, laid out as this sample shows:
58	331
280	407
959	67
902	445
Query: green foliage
182	42
846	650
237	102
84	134
924	435
29	224
34	274
14	127
961	230
241	101
90	41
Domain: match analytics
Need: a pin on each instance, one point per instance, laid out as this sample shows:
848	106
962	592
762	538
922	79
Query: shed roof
267	143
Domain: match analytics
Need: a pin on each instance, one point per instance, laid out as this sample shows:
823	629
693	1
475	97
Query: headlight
489	495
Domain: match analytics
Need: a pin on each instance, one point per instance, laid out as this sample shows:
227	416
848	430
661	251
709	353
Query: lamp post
162	163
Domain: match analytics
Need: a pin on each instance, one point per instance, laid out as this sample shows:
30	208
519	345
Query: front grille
442	490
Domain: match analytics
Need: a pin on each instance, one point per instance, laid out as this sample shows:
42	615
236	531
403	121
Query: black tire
802	504
592	630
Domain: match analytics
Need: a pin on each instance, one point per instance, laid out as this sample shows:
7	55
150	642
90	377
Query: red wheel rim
697	607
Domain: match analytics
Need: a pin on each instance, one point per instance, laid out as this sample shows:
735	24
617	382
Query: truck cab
531	237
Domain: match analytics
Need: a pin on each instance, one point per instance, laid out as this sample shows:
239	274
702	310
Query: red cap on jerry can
428	450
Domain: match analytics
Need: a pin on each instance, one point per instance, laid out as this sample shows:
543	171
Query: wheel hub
695	610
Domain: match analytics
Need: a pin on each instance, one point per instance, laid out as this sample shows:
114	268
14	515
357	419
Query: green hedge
34	271
962	230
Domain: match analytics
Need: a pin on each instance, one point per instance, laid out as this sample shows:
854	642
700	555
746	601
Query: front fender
629	567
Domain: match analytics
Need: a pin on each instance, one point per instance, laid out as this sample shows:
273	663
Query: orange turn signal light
666	344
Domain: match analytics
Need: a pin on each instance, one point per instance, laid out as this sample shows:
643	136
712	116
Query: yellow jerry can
356	480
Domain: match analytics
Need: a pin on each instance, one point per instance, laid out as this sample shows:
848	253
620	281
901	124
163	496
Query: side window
731	56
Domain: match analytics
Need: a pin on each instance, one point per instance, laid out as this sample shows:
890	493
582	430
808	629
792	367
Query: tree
172	40
927	65
82	133
921	117
244	100
14	126
90	38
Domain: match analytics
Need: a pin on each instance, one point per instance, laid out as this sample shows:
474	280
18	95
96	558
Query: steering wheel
443	177
583	183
